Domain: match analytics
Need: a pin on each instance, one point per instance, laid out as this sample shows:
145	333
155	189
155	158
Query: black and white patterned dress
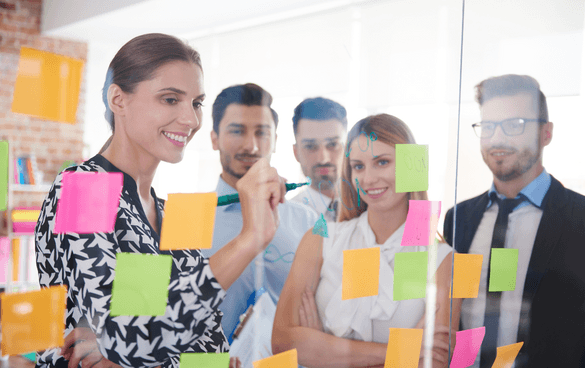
85	264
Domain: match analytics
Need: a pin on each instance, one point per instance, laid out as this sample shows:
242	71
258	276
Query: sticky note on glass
410	275
47	85
467	344
287	359
404	345
188	222
33	320
503	267
466	275
205	360
4	257
361	273
88	203
506	355
3	175
141	284
421	220
412	168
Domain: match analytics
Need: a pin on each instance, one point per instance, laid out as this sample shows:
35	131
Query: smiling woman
153	95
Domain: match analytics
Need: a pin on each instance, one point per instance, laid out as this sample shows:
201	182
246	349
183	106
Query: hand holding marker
235	198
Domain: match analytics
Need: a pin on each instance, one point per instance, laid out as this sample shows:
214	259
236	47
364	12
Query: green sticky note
320	227
503	267
3	175
31	356
412	168
205	360
141	284
410	275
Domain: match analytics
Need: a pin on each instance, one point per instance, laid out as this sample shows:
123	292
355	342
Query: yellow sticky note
33	321
466	275
47	85
404	346
287	359
188	221
361	273
507	354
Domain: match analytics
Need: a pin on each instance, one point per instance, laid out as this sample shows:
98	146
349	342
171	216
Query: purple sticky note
4	258
88	203
417	229
467	344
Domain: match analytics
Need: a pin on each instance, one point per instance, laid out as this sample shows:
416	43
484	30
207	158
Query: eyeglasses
510	127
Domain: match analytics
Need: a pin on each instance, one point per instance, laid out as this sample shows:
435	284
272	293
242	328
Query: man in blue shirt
528	212
244	130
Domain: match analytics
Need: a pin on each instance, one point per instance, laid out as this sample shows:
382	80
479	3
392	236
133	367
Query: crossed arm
297	325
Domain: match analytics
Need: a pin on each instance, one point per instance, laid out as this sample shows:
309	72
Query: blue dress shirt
295	220
534	192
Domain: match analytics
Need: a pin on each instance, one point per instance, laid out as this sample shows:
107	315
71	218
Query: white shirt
317	201
366	318
521	233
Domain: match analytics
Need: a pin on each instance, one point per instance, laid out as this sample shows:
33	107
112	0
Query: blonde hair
388	129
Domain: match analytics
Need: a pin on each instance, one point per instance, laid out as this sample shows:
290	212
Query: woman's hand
260	190
308	313
81	346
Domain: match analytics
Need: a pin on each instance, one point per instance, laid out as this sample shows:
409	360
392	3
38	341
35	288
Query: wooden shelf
39	188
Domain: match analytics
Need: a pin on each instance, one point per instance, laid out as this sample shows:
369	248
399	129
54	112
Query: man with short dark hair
244	130
320	127
529	210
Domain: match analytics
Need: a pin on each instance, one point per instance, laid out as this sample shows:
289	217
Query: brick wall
51	142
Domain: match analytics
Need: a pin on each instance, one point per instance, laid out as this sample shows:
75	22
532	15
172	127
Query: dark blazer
554	292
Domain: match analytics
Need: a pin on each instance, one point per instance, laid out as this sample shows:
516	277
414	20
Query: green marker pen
235	198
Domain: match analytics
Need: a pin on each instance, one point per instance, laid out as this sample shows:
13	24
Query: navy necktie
492	303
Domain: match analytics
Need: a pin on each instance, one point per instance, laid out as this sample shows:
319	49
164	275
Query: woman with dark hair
311	315
153	96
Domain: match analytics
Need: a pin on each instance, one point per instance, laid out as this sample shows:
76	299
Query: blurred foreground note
467	344
3	175
466	275
412	168
4	257
88	203
361	273
410	275
507	354
503	267
421	221
189	220
404	345
287	359
141	284
47	85
33	320
205	360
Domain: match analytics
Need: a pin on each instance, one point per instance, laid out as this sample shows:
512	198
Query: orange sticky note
507	354
404	346
361	273
47	85
287	359
466	275
33	321
188	221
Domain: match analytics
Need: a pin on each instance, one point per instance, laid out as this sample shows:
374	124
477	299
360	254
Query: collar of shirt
534	192
224	188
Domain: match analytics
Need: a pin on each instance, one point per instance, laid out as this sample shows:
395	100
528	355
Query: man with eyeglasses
526	210
320	128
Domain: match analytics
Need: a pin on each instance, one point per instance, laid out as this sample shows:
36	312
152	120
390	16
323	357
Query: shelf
39	188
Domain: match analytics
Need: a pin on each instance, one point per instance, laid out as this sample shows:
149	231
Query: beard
525	160
327	181
226	164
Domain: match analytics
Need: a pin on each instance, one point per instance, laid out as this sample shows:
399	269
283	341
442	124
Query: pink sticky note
417	230
467	344
4	258
88	203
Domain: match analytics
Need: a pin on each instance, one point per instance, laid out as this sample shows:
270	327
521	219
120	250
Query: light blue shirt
295	220
534	192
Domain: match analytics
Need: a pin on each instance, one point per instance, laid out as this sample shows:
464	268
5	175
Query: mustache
246	156
329	166
501	147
